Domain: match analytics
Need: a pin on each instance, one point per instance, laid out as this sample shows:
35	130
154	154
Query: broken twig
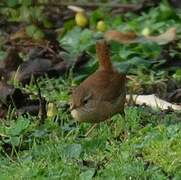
42	106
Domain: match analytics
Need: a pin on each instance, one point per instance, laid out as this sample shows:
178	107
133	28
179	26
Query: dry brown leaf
165	38
11	61
121	37
129	37
20	34
10	95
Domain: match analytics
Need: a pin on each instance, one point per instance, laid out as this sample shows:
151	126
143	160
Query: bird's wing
106	85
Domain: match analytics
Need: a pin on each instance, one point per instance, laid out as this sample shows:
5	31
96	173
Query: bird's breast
93	112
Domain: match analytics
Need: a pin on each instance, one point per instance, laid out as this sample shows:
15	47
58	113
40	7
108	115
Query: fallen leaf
152	101
10	95
12	60
30	109
76	8
59	69
120	37
20	34
35	67
175	3
131	37
38	65
10	63
165	38
175	96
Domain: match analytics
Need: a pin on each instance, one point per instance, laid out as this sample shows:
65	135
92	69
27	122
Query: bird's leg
90	130
119	134
123	114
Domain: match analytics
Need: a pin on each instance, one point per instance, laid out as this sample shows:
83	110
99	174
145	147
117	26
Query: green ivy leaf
25	13
87	175
177	75
78	40
18	127
34	32
15	140
26	2
73	150
125	66
12	3
38	35
30	30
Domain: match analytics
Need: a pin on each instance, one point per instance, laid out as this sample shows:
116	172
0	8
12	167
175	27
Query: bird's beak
72	107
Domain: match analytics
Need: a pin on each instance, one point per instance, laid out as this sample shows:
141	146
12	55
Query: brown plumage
102	51
102	94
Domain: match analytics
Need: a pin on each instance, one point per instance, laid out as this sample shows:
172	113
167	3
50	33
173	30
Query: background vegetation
144	145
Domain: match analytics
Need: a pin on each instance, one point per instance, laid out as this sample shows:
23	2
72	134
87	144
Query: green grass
144	145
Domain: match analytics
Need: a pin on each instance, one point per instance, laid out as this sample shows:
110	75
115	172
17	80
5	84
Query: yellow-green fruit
52	110
146	32
101	26
81	19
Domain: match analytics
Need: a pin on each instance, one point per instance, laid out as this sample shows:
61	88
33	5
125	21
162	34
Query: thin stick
125	7
90	130
95	5
42	106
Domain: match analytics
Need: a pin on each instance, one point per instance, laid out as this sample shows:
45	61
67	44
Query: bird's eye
85	101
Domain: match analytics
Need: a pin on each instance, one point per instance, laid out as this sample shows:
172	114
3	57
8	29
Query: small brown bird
102	94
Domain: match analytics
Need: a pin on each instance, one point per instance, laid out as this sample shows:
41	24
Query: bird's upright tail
102	51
